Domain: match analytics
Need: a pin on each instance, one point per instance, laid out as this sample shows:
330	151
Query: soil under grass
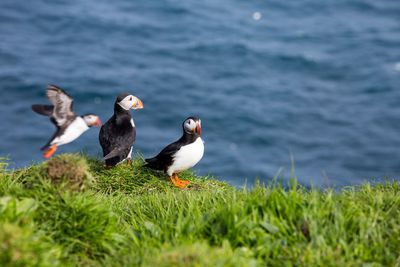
71	211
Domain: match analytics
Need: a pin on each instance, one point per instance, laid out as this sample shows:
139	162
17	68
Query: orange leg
49	152
129	162
178	182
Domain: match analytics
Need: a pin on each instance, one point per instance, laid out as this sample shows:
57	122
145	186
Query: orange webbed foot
50	151
184	182
178	182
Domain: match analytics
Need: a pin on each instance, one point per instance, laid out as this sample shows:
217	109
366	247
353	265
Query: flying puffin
182	154
69	125
118	134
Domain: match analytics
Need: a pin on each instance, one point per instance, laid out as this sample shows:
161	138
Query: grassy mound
70	171
81	214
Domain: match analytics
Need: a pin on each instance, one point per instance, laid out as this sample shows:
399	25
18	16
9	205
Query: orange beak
198	129
138	104
97	122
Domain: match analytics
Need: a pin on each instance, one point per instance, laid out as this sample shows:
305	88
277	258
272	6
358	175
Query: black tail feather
45	147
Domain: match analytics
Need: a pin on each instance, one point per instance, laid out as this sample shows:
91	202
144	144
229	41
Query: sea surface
307	87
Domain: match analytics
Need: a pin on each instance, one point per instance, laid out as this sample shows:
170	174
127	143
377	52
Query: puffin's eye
130	99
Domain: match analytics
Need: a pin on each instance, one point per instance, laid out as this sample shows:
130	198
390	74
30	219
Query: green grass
81	214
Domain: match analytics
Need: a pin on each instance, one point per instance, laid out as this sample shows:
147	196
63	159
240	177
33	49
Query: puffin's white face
92	120
131	102
192	125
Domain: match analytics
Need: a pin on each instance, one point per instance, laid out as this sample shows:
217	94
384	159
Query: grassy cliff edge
70	211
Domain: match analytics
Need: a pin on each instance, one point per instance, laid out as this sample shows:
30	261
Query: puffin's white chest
187	157
74	130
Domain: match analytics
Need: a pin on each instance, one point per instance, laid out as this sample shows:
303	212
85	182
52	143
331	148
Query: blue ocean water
308	83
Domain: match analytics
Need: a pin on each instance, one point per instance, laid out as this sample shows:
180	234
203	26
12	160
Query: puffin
69	125
182	154
118	134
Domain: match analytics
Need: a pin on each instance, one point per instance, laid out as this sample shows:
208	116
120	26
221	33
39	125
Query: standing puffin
118	134
182	154
69	125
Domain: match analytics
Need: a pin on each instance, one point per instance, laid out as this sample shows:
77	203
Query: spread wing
62	103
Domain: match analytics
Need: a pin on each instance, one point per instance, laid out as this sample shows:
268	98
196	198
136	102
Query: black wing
45	110
116	141
165	158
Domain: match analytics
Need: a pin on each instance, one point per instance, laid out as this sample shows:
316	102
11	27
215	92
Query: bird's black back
117	132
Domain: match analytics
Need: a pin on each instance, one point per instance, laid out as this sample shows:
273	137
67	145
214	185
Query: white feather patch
73	131
130	153
187	156
126	103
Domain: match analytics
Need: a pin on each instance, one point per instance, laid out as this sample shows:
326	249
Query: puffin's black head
128	101
92	120
192	125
